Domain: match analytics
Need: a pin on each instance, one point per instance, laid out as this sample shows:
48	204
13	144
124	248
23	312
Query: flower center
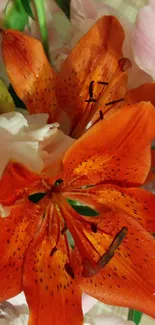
60	218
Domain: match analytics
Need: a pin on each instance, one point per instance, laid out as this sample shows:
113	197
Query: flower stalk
41	16
134	316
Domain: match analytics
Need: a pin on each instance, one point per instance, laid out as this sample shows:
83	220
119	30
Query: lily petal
137	203
51	292
84	13
114	149
30	72
95	58
15	183
114	256
130	270
145	92
16	233
143	39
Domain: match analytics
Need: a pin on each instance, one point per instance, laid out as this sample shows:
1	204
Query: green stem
40	9
134	316
131	314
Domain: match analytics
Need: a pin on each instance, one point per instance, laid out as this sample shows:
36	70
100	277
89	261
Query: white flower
15	312
30	140
109	320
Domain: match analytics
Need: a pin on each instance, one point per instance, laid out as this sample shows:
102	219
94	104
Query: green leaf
26	6
15	16
6	101
65	6
135	316
41	14
16	99
36	197
82	209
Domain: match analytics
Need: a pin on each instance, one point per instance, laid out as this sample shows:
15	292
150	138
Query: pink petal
143	39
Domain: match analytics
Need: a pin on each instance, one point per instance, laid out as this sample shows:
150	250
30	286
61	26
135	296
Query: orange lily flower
114	252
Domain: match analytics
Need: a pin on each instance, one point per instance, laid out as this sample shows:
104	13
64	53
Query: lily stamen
90	269
123	65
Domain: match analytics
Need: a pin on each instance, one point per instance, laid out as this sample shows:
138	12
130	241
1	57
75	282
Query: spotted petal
136	202
114	256
52	294
30	72
130	270
113	150
16	233
94	58
16	181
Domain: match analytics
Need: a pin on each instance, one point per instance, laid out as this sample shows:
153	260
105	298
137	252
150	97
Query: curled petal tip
124	64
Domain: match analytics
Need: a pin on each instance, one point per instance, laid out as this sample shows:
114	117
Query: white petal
143	39
87	302
37	119
13	122
32	142
21	320
14	311
109	320
43	132
4	211
19	302
53	150
27	153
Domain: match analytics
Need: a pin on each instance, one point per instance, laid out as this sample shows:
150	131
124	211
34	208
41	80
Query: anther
92	268
69	270
102	83
91	88
101	115
64	229
94	227
114	102
53	251
90	100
